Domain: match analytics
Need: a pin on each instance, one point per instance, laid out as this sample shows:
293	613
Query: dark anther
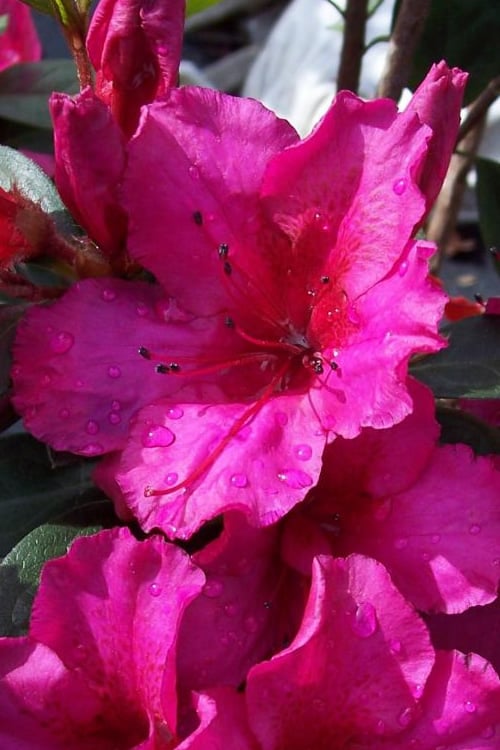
479	298
174	367
334	365
325	279
144	352
162	369
317	365
198	218
495	251
228	269
223	250
229	323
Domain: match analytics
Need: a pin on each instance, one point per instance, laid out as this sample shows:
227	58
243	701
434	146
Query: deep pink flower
428	512
19	42
293	297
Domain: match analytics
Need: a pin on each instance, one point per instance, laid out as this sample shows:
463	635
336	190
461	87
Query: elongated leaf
25	90
32	492
470	366
195	6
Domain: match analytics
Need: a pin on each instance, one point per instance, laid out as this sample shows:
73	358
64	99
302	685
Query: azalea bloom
18	41
289	297
103	666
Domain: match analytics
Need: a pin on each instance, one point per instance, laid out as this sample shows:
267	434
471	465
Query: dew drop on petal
141	309
400	186
64	413
295	478
171	478
470	707
395	646
114	417
488	733
155	589
61	342
281	418
114	371
353	315
474	529
91	449
157	436
380	727
231	609
303	452
175	412
92	428
116	406
194	172
435	538
239	480
364	620
418	691
403	268
405	717
213	589
250	624
108	295
401	543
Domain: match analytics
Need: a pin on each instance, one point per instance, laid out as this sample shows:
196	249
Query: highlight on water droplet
171	478
141	309
116	406
435	538
364	620
114	418
108	295
403	268
474	529
400	186
239	480
175	412
401	543
470	707
92	427
303	452
213	588
155	589
405	717
91	449
61	342
295	478
395	646
114	371
157	436
64	413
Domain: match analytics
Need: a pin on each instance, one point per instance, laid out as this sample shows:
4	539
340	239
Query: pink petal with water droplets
19	42
223	723
110	610
135	48
191	140
259	470
396	318
90	159
342	678
249	606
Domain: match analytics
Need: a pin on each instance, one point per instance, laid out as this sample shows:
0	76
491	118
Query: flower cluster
250	369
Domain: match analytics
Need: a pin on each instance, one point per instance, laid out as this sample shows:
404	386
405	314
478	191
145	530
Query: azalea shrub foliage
234	518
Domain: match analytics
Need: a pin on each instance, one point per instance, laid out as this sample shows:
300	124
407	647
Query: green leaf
465	33
470	366
488	198
44	6
195	6
4	22
33	490
20	571
42	274
25	90
459	426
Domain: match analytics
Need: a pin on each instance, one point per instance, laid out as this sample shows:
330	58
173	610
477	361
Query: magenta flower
290	297
19	41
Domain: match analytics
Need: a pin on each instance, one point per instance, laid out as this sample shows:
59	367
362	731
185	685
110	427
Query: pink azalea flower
290	297
428	512
19	42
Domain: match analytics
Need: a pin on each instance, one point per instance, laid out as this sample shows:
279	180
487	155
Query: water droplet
155	589
295	478
91	428
405	717
64	413
400	186
157	436
496	562
91	449
175	412
108	295
470	707
364	621
231	609
395	646
141	309
401	543
403	268
353	315
380	727
382	509
46	379
114	417
425	556
418	691
116	406
250	624
114	371
194	172
303	452
281	418
213	589
79	383
171	478
488	733
62	342
474	529
435	538
239	480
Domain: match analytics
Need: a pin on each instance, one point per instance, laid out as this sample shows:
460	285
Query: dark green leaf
33	491
470	366
44	6
465	33
42	274
488	197
459	426
25	90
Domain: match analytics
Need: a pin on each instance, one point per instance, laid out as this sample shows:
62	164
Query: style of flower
107	663
19	41
290	298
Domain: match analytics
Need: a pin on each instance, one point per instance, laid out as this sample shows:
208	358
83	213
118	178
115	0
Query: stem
404	39
479	107
76	42
353	45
